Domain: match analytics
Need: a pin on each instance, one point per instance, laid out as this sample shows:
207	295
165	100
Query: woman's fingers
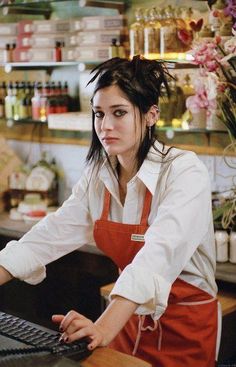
88	331
57	318
75	326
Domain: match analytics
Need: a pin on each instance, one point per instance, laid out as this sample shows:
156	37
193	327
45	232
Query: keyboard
19	337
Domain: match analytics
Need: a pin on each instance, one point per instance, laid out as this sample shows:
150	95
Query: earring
149	133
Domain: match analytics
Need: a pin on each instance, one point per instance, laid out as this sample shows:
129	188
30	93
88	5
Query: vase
198	120
214	122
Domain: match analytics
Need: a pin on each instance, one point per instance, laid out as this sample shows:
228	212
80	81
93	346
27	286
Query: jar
232	247
222	239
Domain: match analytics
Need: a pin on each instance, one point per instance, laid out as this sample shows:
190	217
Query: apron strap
146	208
106	205
145	212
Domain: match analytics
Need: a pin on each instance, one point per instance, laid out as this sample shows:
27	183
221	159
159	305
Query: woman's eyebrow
113	106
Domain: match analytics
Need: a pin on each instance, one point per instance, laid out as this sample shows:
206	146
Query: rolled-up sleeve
179	224
54	236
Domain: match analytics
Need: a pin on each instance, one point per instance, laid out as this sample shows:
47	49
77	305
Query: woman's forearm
115	317
5	276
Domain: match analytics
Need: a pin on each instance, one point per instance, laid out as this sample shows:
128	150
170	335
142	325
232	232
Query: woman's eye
119	113
99	114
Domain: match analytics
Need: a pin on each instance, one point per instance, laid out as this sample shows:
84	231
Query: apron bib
185	335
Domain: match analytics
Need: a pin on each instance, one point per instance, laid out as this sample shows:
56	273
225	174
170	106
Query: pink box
25	27
20	54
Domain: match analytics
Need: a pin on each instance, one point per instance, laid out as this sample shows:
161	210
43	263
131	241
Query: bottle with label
57	53
222	239
136	34
7	53
168	35
3	94
216	14
232	247
113	49
188	87
9	102
36	101
151	34
121	51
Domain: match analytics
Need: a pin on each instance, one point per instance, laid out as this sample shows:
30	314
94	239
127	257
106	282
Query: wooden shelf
39	132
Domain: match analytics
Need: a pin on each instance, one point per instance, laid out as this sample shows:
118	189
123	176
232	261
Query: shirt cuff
150	290
10	259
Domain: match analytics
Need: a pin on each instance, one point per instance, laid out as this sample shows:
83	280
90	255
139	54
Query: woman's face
117	122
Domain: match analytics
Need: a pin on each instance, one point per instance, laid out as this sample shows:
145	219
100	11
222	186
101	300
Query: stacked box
97	34
104	22
84	39
8	32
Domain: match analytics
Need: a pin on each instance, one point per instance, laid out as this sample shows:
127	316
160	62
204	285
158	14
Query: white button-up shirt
178	243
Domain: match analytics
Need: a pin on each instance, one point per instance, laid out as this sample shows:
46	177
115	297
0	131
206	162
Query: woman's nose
106	123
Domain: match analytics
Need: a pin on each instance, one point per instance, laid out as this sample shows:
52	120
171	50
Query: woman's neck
125	173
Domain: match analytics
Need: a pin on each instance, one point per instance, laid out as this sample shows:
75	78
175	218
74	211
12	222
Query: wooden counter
227	298
106	357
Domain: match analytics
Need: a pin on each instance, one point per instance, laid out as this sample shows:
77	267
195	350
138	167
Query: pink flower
206	54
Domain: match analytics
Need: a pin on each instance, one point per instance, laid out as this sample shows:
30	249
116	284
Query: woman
149	209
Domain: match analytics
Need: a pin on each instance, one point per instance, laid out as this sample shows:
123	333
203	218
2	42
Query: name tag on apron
137	237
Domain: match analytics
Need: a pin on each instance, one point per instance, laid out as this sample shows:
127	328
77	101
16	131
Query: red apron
185	335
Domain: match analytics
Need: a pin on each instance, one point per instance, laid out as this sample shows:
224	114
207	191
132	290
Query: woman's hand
74	326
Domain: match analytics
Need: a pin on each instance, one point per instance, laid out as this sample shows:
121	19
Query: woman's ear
152	115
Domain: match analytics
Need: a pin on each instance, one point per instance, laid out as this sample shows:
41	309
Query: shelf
81	65
191	131
43	7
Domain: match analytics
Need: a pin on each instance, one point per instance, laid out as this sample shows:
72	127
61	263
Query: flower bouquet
216	87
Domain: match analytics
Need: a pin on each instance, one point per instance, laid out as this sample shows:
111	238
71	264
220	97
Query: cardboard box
41	54
33	54
46	40
75	25
25	27
104	22
7	40
8	29
92	53
51	26
101	37
21	54
68	54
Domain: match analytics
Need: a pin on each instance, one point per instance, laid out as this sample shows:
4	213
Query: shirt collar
150	169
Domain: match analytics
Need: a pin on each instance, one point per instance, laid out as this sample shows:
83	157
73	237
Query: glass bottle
9	102
113	49
168	35
232	247
136	34
188	87
57	53
215	15
3	94
151	34
7	53
221	238
35	101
